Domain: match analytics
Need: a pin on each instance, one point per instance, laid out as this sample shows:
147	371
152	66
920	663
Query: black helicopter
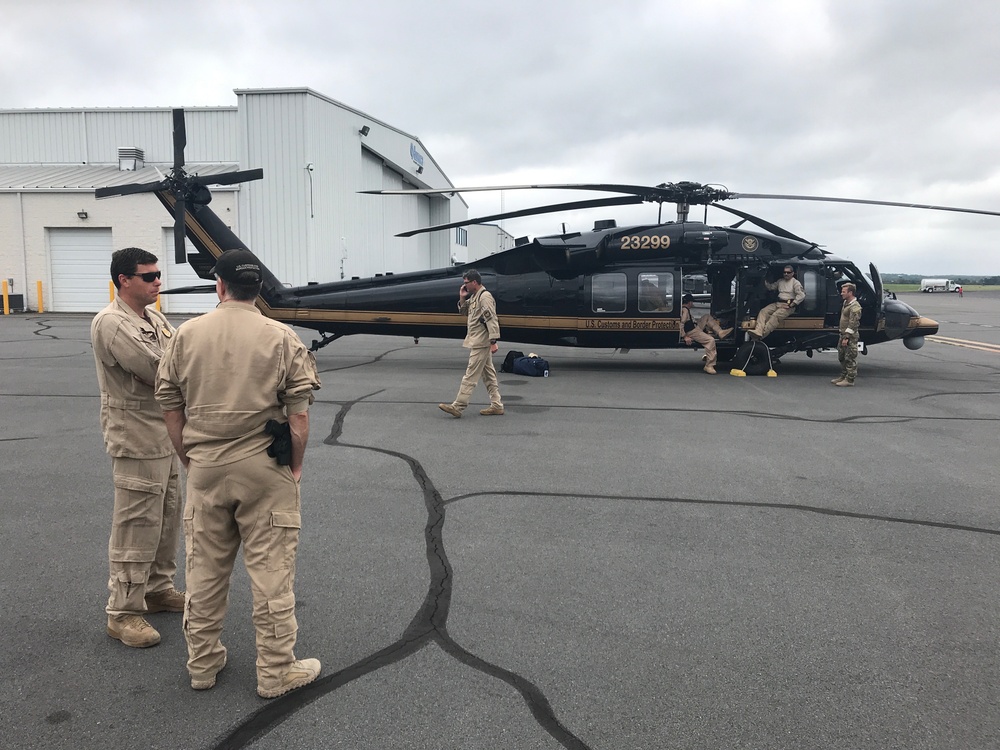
611	287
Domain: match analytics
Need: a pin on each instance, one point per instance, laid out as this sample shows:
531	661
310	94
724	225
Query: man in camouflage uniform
847	345
481	341
223	377
700	331
790	296
129	336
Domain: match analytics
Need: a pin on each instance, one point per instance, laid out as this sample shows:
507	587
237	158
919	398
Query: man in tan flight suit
223	377
128	338
700	331
481	341
790	296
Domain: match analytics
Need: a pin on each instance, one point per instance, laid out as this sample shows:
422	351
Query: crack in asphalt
429	625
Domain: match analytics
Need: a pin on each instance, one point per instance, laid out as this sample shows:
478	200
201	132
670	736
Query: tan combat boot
837	380
845	384
169	600
450	410
300	672
497	410
207	682
724	333
710	370
132	630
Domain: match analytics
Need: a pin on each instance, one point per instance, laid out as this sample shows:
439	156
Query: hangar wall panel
333	221
273	128
42	138
94	136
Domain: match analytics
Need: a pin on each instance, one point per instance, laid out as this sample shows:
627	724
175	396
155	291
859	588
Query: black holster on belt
280	448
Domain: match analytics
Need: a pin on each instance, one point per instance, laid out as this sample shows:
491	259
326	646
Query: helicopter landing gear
754	358
327	339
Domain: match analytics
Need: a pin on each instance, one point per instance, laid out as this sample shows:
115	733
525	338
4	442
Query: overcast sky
879	99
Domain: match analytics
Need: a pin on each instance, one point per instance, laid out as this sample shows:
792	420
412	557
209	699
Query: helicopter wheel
759	364
753	359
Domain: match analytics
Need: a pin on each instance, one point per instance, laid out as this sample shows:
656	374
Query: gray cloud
878	99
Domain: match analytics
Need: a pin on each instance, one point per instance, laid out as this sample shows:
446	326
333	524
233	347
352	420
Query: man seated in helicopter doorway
790	296
847	344
481	341
698	331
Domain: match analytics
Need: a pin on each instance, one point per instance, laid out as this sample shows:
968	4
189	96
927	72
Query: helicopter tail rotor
189	191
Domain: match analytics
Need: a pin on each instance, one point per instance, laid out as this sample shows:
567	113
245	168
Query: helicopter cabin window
608	292
656	292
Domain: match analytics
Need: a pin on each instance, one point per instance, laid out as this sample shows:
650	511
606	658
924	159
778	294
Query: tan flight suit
232	370
142	549
850	321
700	333
790	296
483	327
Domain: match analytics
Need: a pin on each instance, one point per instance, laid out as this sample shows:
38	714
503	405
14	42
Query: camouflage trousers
142	549
480	365
848	356
256	503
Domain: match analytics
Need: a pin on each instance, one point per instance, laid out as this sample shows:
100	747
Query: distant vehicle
938	285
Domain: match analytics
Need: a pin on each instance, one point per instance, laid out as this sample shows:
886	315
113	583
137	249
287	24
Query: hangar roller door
80	269
180	275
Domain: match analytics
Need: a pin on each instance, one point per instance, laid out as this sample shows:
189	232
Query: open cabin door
879	294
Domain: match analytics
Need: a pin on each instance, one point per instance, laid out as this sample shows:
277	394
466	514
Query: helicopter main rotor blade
763	224
180	138
180	232
648	192
553	208
130	189
862	201
228	178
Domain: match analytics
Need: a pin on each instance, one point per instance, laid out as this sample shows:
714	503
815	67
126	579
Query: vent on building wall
130	158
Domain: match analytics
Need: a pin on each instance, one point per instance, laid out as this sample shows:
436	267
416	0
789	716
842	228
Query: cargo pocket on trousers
136	519
282	611
284	539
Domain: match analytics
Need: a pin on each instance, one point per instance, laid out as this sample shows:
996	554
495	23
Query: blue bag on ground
535	367
508	362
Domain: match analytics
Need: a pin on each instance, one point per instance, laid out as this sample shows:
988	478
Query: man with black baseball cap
238	266
224	378
699	331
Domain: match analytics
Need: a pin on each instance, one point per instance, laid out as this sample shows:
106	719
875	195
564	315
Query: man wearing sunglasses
129	337
790	296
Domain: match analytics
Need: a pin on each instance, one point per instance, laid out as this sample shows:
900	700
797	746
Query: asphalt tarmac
637	555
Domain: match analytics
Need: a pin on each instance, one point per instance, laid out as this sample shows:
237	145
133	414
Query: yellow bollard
6	299
111	291
41	304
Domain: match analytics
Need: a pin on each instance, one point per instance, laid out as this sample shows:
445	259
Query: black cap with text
238	267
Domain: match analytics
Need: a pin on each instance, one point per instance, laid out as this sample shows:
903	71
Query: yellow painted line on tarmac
980	346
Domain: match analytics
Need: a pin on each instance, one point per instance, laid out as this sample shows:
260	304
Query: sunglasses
149	277
789	273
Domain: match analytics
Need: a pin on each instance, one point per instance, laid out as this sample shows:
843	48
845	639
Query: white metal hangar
305	219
